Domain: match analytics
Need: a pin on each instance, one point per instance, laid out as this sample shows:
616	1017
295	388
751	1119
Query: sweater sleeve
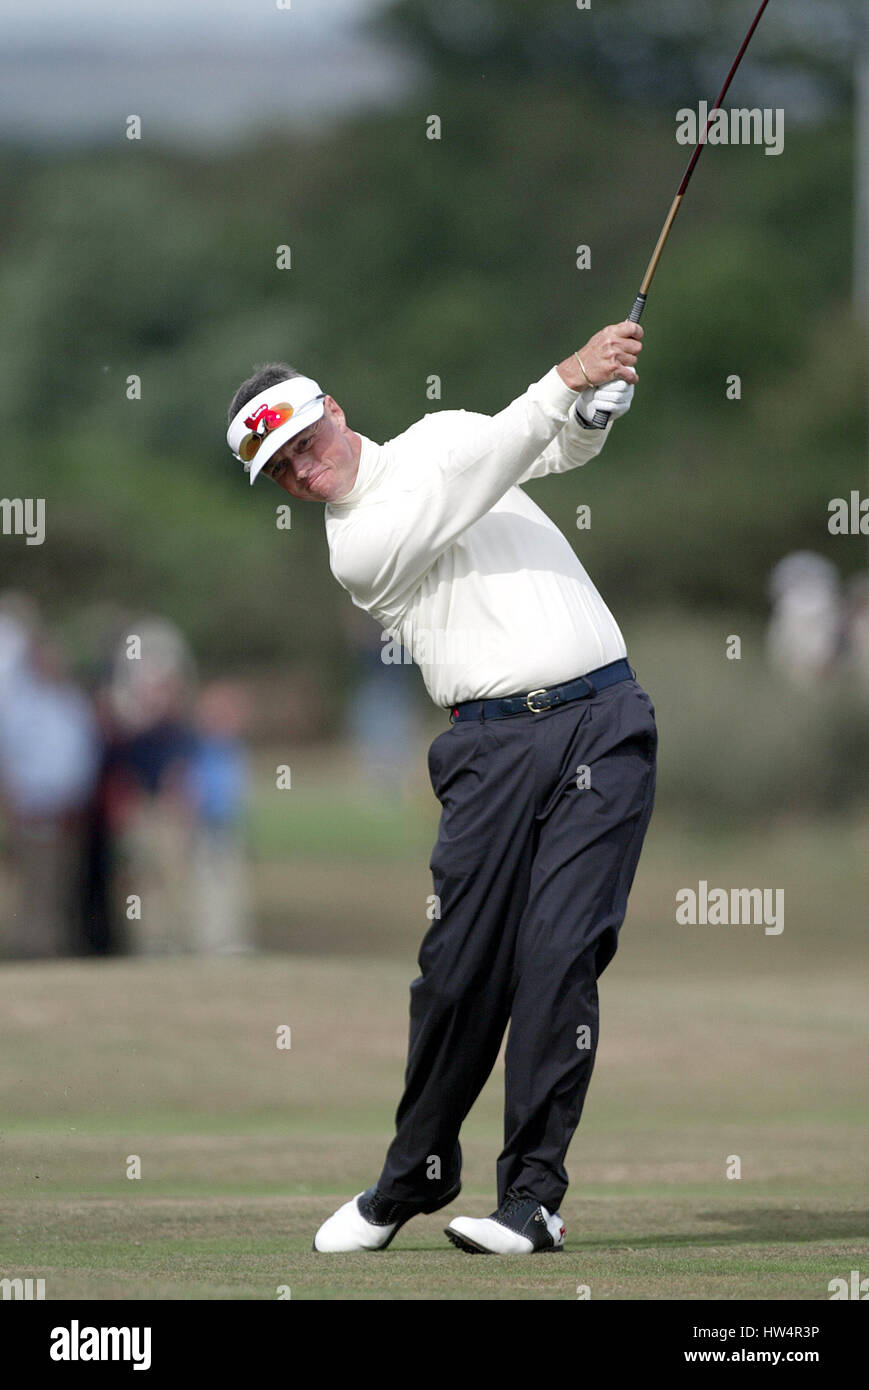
571	448
445	473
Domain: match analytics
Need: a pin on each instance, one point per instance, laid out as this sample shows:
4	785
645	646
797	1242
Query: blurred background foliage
455	257
634	51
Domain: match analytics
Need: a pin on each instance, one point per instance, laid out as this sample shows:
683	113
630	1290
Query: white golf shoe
520	1226
370	1221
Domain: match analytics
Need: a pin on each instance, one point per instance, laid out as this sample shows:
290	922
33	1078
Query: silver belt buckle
538	709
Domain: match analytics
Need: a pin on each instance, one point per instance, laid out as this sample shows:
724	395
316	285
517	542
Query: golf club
601	418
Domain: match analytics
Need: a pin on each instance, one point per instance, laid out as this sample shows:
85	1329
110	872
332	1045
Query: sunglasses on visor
261	424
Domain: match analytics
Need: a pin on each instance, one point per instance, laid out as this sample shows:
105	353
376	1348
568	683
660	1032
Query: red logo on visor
263	420
267	417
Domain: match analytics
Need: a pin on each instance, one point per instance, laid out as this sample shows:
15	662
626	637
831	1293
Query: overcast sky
44	20
198	72
209	72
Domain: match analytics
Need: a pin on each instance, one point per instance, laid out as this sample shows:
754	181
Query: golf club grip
601	417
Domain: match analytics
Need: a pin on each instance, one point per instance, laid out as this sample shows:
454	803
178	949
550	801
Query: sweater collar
371	467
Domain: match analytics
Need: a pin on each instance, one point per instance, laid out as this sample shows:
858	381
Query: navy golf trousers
543	819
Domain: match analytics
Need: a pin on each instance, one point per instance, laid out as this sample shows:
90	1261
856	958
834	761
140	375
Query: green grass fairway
245	1148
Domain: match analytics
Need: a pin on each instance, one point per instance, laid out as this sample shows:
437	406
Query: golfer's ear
336	412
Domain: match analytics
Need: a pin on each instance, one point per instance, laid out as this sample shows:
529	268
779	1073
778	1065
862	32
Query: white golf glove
614	397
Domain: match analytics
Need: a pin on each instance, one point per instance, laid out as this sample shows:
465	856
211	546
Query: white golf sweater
438	542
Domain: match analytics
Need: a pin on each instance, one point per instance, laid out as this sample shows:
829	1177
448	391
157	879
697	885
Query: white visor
273	417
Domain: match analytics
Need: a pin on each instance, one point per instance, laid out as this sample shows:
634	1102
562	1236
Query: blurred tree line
637	52
455	257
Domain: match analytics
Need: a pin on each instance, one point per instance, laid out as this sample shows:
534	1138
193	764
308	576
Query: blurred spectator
806	632
101	626
217	783
149	810
123	819
49	754
18	623
858	627
382	720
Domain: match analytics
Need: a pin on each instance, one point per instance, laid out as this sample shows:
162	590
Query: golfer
545	772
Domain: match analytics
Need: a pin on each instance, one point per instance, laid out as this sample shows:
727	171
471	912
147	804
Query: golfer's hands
615	398
611	355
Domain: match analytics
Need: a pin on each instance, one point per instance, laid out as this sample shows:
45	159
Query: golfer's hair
264	377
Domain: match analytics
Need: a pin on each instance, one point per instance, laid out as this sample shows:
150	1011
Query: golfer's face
317	465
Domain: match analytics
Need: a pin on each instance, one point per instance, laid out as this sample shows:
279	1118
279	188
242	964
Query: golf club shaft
601	417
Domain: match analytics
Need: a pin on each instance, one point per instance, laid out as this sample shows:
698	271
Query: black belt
539	700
